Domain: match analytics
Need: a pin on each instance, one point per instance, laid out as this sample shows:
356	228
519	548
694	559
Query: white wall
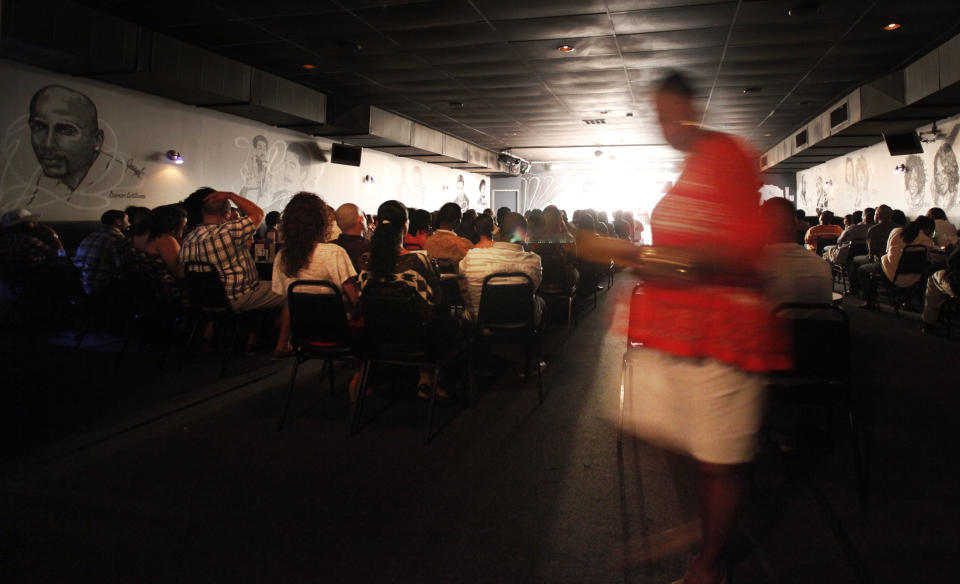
865	178
130	168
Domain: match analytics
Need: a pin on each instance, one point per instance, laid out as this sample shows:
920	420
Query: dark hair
111	216
165	220
898	217
193	204
676	83
419	221
484	225
937	213
801	215
869	213
450	215
848	218
137	215
586	222
387	237
513	225
912	231
468	227
501	212
304	225
272	218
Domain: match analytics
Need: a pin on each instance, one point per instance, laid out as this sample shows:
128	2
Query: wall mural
867	178
273	172
73	158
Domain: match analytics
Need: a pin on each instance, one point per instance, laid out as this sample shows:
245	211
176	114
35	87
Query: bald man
352	223
65	134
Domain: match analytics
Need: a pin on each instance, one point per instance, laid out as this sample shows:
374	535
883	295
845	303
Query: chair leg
433	401
623	375
330	372
230	347
293	384
365	369
569	313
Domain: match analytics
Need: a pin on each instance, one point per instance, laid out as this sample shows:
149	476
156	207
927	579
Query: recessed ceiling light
804	9
892	26
629	114
767	134
604	112
455	103
566	48
752	89
309	66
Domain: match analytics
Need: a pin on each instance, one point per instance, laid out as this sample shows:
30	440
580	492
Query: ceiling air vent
839	116
801	139
596	122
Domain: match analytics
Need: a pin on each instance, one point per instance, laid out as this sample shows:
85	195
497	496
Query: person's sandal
443	398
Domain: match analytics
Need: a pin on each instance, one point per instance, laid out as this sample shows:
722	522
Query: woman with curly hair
304	257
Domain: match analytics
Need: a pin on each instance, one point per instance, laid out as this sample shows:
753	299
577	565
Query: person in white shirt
945	233
506	255
792	273
918	232
304	257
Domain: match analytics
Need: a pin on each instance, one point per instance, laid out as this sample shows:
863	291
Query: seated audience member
802	226
946	233
468	226
826	228
484	231
304	256
790	272
193	205
159	247
877	236
556	246
941	286
24	243
899	218
416	237
352	224
919	232
223	243
868	216
506	255
138	217
389	262
444	243
501	213
857	229
101	253
269	231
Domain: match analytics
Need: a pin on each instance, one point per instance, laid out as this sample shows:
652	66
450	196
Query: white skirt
701	407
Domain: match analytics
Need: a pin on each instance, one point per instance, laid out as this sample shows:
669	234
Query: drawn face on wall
459	184
293	173
914	180
946	175
260	148
65	134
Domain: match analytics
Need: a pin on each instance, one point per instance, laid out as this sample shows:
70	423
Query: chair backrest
821	339
555	279
913	260
825	240
317	313
858	247
506	302
392	320
447	265
140	288
204	286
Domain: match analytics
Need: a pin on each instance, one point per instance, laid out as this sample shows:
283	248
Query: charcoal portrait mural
482	200
856	181
272	172
914	181
945	177
801	191
461	198
823	198
75	160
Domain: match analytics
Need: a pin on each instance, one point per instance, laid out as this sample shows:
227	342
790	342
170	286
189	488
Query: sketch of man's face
65	134
848	171
260	147
295	169
946	174
459	183
914	180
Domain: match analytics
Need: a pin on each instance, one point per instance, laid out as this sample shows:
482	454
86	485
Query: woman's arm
169	250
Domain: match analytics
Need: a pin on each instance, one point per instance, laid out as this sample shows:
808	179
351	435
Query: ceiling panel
511	9
558	27
679	18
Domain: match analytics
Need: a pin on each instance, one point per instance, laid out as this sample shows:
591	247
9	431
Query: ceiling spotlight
767	134
566	48
308	66
892	26
629	114
174	157
368	179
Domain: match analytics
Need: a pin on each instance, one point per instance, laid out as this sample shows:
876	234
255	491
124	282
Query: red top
715	205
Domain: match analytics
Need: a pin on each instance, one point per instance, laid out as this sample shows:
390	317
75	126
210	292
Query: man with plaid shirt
101	253
224	243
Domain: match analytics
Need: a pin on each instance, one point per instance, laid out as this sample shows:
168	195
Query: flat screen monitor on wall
900	144
343	154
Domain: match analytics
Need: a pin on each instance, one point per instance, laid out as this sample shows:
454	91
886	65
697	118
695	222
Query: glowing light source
174	157
309	66
892	26
566	48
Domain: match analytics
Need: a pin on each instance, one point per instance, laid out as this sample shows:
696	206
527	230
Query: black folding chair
841	271
820	375
506	315
318	330
823	241
141	292
209	302
450	296
913	261
394	333
555	285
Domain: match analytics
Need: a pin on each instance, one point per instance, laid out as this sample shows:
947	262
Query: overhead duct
377	129
923	92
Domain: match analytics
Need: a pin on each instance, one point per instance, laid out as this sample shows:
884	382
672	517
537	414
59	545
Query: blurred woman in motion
706	331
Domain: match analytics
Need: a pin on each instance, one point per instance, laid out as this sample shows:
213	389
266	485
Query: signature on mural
75	161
